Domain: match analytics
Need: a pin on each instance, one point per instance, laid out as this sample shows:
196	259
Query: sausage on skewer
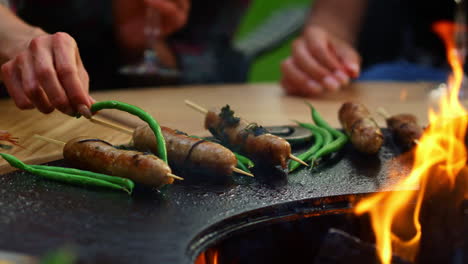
405	128
191	154
100	156
364	133
251	139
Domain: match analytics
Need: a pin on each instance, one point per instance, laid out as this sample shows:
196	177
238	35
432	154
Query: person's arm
15	34
341	18
42	70
324	58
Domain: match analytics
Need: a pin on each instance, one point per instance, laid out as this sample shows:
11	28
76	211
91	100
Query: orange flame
209	256
441	151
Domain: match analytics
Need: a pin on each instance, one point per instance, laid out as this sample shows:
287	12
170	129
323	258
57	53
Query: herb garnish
227	115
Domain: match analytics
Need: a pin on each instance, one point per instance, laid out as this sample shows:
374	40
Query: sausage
364	133
250	139
405	128
188	153
100	156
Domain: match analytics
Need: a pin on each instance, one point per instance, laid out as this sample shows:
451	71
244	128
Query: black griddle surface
38	215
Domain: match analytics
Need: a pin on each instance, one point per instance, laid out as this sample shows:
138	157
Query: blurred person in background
388	40
53	52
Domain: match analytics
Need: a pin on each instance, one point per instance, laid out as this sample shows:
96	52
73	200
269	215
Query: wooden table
265	103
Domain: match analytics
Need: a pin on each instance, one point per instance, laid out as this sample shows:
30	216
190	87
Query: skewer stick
174	176
242	172
61	143
50	140
381	111
111	125
204	111
196	107
130	132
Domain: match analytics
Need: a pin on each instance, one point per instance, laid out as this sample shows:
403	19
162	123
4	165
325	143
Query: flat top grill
37	215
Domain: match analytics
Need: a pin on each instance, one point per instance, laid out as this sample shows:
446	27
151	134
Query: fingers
45	75
296	82
319	63
49	75
173	13
67	62
30	84
14	87
317	42
351	60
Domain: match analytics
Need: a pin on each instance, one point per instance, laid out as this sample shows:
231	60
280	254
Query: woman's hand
319	63
48	74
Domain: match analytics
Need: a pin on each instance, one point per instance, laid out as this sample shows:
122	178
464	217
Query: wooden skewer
204	111
242	172
130	132
381	111
111	125
61	143
50	140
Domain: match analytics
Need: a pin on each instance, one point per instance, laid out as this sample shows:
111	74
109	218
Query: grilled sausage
364	133
187	153
250	139
99	156
405	128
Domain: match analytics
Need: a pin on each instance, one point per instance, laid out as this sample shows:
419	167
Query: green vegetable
319	134
244	160
339	141
242	166
77	178
127	183
334	146
134	110
322	123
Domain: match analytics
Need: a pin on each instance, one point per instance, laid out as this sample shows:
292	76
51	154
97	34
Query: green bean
242	166
335	145
61	176
319	134
244	160
134	110
75	179
127	183
322	123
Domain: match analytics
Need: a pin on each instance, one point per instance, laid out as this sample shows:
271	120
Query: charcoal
341	247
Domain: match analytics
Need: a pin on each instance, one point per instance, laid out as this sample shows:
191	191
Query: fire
441	152
209	256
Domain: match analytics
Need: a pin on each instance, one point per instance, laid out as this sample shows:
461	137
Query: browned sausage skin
99	156
250	139
405	128
187	153
364	133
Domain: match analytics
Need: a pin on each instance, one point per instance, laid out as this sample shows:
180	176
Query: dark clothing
402	29
202	47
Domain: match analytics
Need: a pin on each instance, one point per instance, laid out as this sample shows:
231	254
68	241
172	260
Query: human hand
48	74
319	63
130	19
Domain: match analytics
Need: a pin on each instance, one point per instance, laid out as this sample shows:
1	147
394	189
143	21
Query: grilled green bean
127	183
319	134
244	160
62	176
333	146
134	110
